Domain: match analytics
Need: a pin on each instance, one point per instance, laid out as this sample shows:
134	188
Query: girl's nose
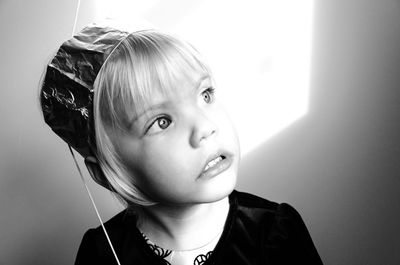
203	129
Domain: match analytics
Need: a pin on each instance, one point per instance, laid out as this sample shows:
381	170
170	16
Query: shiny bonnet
67	91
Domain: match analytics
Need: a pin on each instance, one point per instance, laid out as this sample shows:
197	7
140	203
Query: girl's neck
183	228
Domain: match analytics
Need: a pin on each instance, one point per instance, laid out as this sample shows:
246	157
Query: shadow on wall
46	222
339	165
33	200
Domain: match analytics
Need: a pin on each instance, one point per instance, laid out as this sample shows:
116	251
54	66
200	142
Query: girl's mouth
216	166
214	162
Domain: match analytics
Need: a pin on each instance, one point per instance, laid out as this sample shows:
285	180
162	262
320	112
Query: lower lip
218	168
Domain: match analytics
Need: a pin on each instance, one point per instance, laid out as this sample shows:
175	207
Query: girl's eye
159	124
208	95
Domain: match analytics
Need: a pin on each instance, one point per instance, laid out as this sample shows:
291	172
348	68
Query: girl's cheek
224	119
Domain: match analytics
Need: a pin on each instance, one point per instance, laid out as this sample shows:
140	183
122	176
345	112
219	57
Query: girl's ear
95	171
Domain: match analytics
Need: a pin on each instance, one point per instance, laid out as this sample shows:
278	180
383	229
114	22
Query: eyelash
209	91
157	120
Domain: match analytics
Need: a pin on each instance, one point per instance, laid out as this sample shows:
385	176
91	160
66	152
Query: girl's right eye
159	124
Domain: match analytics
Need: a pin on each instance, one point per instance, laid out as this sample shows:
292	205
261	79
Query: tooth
213	162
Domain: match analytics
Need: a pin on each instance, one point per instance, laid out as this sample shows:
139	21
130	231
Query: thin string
93	203
76	17
79	169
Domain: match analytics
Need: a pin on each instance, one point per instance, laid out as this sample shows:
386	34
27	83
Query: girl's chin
209	196
218	193
207	191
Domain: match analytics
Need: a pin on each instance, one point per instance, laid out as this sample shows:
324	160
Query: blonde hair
143	62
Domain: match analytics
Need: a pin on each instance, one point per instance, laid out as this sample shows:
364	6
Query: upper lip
214	155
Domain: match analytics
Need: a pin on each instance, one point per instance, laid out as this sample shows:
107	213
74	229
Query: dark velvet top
257	231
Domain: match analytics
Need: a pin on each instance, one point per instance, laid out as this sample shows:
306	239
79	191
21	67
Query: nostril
203	130
213	132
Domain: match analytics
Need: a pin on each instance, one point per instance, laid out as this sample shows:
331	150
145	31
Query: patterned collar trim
182	257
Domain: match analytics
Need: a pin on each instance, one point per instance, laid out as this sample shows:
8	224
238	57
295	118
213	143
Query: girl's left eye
208	95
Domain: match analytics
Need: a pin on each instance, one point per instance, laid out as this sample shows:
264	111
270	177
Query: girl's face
183	148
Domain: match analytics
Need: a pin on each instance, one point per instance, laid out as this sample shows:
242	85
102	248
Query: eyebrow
201	79
168	102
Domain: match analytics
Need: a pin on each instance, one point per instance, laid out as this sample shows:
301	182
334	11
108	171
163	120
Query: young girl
141	108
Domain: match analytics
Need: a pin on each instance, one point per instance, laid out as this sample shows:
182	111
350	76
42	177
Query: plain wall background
339	165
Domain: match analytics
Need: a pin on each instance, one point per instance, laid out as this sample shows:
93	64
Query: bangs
145	63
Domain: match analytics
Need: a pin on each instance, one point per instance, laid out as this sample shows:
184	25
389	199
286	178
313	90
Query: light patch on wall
259	51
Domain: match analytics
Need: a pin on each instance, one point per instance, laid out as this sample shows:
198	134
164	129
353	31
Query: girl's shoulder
277	228
117	223
250	202
245	199
268	218
122	232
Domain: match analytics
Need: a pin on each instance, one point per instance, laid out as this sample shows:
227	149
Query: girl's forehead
181	86
164	94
